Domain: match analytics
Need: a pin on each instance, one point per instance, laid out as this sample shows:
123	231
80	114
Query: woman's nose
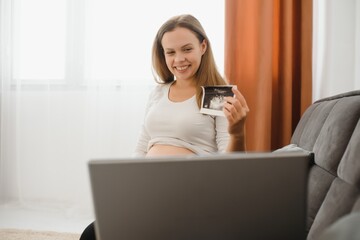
179	57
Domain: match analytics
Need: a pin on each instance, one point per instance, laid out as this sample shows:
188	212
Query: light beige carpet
17	234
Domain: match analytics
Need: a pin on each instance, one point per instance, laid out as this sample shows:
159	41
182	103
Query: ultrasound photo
213	99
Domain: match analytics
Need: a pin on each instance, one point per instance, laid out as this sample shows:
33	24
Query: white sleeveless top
180	124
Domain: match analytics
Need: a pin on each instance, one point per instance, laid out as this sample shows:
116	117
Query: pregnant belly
166	150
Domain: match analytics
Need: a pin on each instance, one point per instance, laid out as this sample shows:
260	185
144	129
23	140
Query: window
100	42
39	40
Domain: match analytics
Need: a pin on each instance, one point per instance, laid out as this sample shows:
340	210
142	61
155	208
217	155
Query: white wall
336	53
57	132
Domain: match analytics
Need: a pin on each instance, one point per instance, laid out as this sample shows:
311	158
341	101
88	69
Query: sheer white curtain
336	47
75	76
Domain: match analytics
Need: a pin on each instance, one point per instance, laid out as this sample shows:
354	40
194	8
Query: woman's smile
182	69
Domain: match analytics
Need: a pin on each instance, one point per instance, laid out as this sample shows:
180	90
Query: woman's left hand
236	110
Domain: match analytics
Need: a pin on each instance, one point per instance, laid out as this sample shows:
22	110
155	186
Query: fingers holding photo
240	97
236	107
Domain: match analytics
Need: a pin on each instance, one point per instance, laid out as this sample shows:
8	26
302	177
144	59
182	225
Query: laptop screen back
231	196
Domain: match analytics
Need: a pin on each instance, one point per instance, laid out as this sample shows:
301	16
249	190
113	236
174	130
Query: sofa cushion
330	128
346	227
349	167
310	125
319	182
338	202
336	132
356	207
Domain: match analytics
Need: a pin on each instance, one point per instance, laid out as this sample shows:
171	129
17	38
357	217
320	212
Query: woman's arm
142	144
141	147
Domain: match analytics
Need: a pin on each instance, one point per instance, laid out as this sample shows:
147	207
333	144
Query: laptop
222	196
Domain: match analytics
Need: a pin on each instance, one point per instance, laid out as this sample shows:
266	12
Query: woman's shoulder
162	86
158	91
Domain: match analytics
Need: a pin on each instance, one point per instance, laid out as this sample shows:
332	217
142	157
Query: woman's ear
203	46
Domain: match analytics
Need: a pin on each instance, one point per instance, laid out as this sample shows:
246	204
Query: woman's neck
180	91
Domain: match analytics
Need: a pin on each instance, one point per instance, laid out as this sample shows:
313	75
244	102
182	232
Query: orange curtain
268	56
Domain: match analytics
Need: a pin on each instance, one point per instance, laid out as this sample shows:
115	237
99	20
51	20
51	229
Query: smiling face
183	52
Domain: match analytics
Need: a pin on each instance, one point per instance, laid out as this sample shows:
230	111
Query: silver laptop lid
230	196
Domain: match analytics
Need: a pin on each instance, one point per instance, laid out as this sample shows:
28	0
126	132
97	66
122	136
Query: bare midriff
166	150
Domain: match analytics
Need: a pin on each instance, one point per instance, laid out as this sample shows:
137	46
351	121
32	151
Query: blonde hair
206	75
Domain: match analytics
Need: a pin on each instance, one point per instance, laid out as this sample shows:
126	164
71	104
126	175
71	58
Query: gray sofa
330	128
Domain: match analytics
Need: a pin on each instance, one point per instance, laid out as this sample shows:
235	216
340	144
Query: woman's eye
169	53
188	49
